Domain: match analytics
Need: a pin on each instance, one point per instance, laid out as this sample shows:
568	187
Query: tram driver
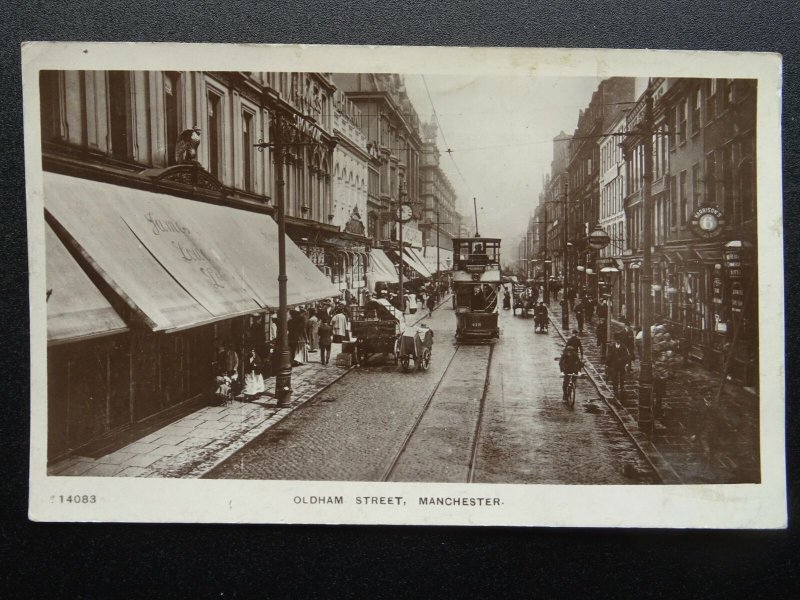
478	300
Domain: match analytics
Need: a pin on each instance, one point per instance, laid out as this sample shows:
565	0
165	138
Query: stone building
439	224
704	217
160	242
391	127
612	97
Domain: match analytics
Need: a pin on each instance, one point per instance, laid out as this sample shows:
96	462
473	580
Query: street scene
295	276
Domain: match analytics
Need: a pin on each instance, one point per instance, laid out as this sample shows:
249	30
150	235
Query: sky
500	130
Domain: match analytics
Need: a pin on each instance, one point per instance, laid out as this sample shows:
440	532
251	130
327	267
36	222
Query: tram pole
564	299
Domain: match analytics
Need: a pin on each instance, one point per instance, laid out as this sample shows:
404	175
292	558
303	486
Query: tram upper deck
476	260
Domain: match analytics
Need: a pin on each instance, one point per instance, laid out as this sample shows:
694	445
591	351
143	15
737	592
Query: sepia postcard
405	285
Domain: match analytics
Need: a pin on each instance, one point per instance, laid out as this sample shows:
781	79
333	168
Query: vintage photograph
410	277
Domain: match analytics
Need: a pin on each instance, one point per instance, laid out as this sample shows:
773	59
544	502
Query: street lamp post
281	134
646	370
565	300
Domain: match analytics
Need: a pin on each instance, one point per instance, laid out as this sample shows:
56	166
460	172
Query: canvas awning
412	261
178	263
76	310
382	267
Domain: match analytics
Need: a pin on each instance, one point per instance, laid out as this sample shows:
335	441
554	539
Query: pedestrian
602	315
294	327
578	310
325	338
312	331
229	360
339	325
616	364
506	299
629	340
588	309
431	302
253	379
666	358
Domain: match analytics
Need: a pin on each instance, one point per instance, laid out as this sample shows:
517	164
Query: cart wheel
404	362
425	360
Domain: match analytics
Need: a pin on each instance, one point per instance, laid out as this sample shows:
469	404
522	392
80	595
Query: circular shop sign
707	222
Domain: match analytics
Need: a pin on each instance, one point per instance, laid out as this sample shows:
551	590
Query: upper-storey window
172	83
215	134
119	113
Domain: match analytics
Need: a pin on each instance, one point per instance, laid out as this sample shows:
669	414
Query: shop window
119	113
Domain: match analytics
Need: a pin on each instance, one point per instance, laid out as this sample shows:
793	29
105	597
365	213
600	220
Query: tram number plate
476	324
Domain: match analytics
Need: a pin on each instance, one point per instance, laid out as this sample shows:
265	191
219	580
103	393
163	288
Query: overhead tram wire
449	150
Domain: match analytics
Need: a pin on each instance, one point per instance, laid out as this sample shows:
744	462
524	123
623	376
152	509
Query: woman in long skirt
312	331
253	379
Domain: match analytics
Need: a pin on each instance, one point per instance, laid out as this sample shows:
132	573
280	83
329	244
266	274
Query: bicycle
569	393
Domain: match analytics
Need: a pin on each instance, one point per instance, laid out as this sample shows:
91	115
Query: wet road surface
357	428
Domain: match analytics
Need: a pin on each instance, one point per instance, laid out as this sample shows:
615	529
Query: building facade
704	210
606	106
160	239
390	124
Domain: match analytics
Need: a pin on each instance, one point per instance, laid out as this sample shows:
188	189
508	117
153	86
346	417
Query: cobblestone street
699	445
356	428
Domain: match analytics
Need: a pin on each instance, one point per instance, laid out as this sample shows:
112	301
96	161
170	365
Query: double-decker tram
476	280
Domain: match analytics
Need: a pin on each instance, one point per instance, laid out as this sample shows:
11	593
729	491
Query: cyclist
570	365
575	342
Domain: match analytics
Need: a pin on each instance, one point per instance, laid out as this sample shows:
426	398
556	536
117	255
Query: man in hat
616	364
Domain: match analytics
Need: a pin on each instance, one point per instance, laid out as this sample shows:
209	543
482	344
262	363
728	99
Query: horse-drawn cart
376	327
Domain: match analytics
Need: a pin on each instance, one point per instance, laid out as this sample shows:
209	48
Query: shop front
169	281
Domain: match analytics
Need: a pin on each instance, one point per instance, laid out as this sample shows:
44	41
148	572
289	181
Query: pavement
692	443
192	446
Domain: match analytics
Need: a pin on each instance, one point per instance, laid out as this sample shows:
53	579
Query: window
711	99
711	188
697	199
247	150
727	181
119	113
50	103
171	94
682	122
214	134
682	196
728	92
697	102
673	209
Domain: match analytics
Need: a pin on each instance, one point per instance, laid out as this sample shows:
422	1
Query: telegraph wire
449	151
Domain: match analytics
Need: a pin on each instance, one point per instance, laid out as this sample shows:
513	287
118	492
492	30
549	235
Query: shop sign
737	296
707	222
411	237
733	263
717	285
315	253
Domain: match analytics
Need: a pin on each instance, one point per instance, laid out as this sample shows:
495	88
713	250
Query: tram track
474	444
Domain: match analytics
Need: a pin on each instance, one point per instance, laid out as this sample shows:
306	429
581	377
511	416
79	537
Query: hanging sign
707	222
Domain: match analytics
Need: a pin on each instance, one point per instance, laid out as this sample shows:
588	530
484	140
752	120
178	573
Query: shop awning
412	261
76	310
382	267
177	262
429	257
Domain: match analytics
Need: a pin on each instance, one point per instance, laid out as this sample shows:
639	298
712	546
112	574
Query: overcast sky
500	130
